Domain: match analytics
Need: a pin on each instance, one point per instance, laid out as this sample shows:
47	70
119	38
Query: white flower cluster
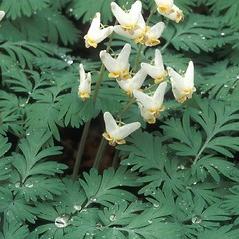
133	26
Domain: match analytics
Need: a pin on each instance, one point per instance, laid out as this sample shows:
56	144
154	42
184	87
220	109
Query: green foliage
175	179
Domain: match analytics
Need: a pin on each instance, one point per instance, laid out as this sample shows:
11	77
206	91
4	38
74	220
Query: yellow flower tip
186	94
89	42
179	17
123	75
128	27
165	9
84	95
113	141
151	120
182	99
156	111
139	39
114	75
161	78
152	42
129	92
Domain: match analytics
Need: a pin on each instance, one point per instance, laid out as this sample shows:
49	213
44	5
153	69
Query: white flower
156	71
176	14
84	89
133	83
164	6
127	19
151	106
168	9
152	34
182	86
119	67
137	34
2	14
143	34
96	34
116	134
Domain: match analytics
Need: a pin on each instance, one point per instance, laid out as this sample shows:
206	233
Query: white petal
141	23
95	25
138	79
82	72
110	123
2	14
176	79
164	2
157	30
159	94
135	11
143	99
109	62
104	33
146	114
127	129
158	60
189	75
119	30
127	17
124	84
153	71
123	58
120	15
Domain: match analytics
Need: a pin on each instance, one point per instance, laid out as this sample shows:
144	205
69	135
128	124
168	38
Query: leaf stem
201	150
100	152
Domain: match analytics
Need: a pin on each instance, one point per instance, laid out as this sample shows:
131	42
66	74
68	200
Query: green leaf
14	229
196	33
106	189
24	7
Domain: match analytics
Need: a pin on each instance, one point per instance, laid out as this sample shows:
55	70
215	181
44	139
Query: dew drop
196	220
112	218
77	207
61	222
29	185
156	205
18	185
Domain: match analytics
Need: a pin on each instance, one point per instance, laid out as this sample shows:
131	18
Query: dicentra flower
182	86
84	89
164	6
168	9
156	71
117	67
143	34
96	34
151	106
133	83
127	19
116	134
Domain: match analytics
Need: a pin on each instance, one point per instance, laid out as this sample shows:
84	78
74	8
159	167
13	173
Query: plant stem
80	150
100	152
82	143
138	57
102	71
115	162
